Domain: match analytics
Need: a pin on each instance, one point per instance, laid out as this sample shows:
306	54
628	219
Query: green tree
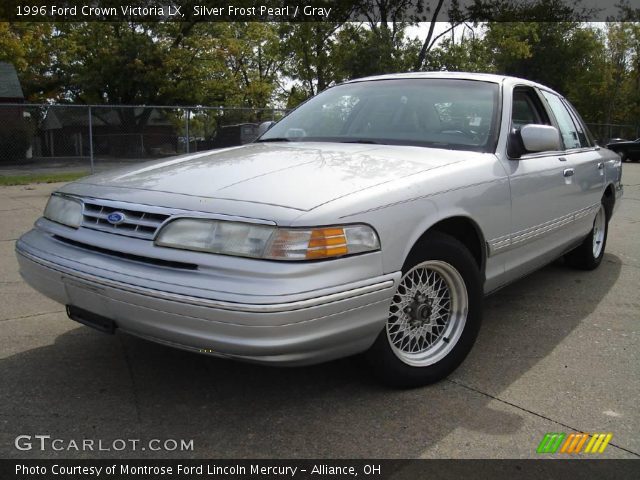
622	76
470	54
587	88
31	48
253	58
361	51
129	63
546	52
322	54
309	48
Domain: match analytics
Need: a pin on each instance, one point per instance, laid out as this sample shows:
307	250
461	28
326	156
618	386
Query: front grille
137	223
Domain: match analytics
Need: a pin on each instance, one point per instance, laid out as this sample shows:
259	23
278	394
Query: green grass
8	180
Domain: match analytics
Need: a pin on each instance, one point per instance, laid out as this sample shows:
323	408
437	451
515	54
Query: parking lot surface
558	352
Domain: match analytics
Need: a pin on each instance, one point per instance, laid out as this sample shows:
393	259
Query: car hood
297	175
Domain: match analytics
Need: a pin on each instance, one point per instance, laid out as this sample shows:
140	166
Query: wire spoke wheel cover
599	227
428	313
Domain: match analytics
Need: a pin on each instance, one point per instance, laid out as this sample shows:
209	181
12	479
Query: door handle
568	172
600	165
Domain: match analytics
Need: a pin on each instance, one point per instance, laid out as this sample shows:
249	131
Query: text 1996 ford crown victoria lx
373	218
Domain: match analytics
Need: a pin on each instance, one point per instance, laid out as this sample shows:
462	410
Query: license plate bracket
91	319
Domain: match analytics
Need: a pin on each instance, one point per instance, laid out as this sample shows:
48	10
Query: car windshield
452	114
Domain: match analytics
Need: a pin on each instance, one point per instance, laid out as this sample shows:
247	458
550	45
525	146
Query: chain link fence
607	132
59	138
99	137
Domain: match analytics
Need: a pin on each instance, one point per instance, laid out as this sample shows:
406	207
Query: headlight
64	210
263	241
231	238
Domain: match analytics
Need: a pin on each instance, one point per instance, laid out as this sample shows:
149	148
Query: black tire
583	256
386	365
624	157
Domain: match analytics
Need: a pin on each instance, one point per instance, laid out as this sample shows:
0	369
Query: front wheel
589	254
434	316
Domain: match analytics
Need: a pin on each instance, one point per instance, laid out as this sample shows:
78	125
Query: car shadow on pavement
90	385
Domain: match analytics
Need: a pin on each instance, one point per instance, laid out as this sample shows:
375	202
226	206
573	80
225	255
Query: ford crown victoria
372	219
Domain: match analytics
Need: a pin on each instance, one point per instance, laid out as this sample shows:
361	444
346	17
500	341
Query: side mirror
264	126
540	138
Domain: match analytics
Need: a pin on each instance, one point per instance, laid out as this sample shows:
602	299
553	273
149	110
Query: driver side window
526	109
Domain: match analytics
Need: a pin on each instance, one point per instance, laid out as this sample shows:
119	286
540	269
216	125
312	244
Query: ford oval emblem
116	218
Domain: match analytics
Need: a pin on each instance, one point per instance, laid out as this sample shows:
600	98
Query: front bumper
296	330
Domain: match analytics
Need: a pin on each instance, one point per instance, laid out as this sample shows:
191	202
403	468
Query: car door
541	191
585	160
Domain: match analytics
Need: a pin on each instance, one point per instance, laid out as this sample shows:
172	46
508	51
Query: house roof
59	116
9	83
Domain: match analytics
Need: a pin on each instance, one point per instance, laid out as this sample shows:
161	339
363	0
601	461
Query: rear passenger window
585	137
568	128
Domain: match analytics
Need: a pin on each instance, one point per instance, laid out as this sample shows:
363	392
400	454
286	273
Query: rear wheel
434	315
589	254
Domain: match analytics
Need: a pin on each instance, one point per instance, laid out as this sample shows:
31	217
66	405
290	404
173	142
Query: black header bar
318	469
336	11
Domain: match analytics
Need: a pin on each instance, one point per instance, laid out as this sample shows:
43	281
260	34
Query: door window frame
573	115
545	114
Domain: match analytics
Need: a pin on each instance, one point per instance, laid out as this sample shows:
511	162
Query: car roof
485	77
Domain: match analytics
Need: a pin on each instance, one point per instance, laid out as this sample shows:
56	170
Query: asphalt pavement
558	352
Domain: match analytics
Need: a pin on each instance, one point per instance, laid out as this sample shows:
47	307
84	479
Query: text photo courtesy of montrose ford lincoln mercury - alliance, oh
370	220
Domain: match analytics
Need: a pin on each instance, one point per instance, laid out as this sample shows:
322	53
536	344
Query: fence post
91	140
195	142
187	118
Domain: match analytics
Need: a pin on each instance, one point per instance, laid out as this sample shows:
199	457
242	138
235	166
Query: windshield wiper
274	139
362	140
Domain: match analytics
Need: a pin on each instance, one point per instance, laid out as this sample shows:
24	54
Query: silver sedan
372	219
